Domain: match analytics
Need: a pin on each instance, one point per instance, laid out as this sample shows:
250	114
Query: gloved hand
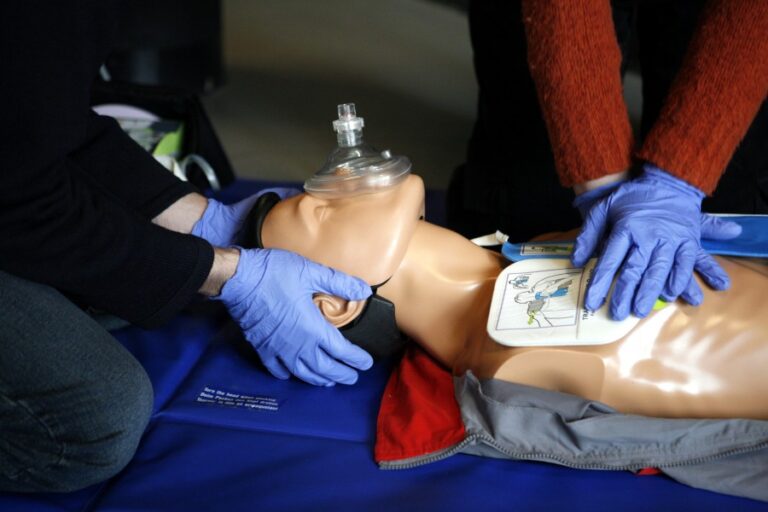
220	224
655	230
712	228
270	297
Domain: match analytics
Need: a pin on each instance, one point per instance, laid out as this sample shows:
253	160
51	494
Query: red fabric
648	472
418	414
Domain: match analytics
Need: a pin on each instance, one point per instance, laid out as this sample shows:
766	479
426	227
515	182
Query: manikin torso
681	361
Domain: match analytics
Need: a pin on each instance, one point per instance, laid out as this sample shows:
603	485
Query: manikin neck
442	291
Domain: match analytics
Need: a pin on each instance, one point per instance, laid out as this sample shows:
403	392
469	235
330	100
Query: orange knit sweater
575	61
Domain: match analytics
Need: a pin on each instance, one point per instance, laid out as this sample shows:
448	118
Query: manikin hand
655	224
270	297
220	224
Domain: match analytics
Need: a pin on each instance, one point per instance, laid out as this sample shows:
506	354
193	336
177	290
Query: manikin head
365	235
439	281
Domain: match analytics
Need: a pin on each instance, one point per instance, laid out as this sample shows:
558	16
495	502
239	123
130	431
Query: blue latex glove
655	224
717	228
220	224
712	227
270	297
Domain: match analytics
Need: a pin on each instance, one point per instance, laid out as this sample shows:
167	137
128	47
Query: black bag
176	104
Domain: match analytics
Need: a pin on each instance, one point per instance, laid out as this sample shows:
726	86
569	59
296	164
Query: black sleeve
59	223
114	164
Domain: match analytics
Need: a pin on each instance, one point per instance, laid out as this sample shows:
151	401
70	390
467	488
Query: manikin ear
339	312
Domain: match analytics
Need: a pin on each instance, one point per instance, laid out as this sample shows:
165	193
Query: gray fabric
510	420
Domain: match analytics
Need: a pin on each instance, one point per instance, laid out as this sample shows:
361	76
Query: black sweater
76	194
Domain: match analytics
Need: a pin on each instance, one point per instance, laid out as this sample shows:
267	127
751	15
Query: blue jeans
73	402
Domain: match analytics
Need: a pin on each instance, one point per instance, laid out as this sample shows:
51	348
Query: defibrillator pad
540	302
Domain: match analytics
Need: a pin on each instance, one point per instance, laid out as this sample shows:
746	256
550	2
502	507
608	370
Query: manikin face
365	235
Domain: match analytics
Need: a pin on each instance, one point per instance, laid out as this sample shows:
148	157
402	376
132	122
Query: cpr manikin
681	361
686	385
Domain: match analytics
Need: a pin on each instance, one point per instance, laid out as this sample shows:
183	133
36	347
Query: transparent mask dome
355	168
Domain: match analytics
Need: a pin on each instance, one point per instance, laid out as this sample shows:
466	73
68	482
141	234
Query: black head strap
251	229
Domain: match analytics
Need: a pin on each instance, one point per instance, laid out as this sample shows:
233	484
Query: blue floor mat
285	472
315	450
